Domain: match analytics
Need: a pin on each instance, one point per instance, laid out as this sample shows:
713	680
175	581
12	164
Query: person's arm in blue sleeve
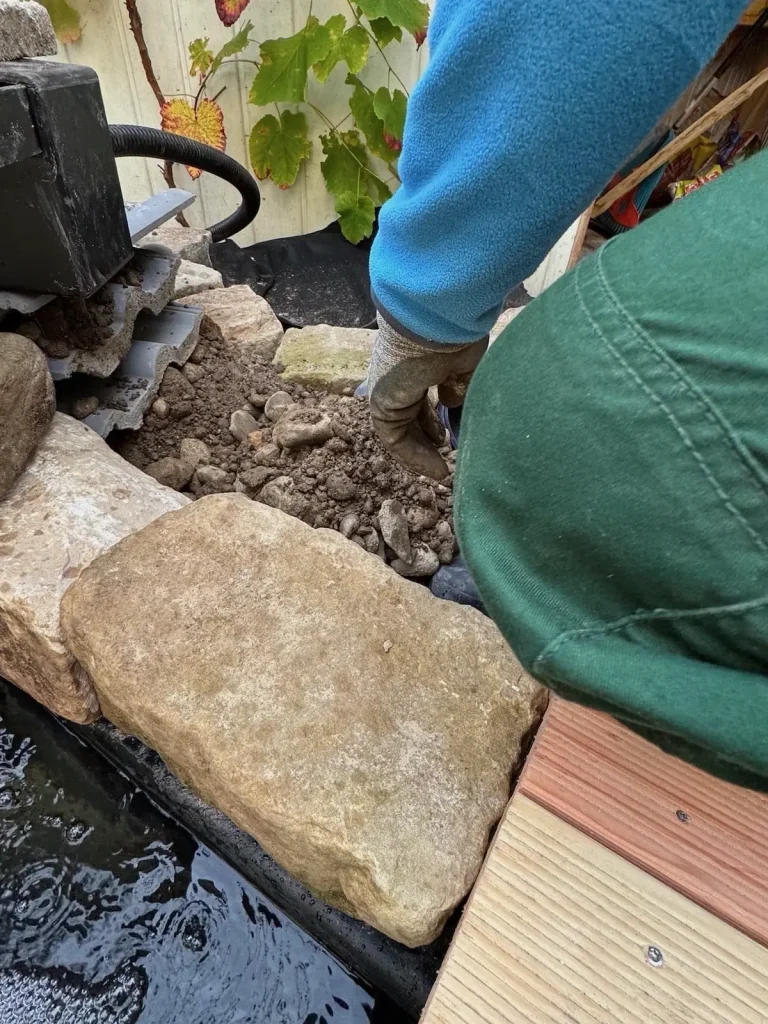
526	110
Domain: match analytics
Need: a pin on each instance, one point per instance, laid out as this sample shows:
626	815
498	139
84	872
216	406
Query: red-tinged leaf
230	10
420	37
392	143
204	125
66	20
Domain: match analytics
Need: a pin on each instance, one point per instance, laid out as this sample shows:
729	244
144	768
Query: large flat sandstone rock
363	731
75	499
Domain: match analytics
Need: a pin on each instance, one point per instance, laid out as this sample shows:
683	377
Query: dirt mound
338	479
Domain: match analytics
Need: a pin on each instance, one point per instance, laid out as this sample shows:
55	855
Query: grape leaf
233	46
285	62
412	15
206	124
279	147
200	56
350	46
230	10
356	216
346	169
385	32
367	120
391	110
66	20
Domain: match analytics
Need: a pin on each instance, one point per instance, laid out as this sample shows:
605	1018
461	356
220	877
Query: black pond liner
319	278
404	976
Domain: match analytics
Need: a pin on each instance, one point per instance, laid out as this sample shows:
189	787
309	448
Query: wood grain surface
701	836
558	931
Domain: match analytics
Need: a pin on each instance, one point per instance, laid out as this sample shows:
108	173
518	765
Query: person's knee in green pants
612	492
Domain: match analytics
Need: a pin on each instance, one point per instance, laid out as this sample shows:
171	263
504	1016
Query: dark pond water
110	913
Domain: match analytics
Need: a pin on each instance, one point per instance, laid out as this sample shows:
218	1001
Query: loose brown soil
350	474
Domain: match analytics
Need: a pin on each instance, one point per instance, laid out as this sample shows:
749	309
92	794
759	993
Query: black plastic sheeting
404	975
319	278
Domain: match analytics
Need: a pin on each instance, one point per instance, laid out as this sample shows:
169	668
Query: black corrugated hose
137	140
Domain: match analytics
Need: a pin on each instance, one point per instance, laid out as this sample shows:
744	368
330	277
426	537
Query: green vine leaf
232	47
350	45
391	110
385	32
412	15
367	120
66	20
200	56
356	216
285	63
346	167
279	147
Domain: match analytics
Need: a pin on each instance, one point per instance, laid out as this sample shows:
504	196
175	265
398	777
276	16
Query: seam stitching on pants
682	433
658	614
708	407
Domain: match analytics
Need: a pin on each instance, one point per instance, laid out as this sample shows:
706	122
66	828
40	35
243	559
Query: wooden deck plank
703	837
557	931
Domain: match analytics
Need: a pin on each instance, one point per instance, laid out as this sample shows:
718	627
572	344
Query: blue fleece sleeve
526	110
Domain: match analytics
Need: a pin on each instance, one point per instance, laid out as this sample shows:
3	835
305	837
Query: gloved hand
399	377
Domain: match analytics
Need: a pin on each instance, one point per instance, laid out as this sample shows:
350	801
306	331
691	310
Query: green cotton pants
612	485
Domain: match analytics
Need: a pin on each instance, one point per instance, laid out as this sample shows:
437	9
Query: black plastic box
63	228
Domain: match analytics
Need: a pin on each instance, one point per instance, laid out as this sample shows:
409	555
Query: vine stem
210	74
137	31
375	42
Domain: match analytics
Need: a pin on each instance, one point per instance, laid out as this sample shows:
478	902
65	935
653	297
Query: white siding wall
169	25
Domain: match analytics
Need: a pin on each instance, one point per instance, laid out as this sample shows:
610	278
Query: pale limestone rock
244	320
363	731
394	528
299	426
27	404
196	277
194	451
329	358
241	424
423	562
190	244
75	499
26	30
276	405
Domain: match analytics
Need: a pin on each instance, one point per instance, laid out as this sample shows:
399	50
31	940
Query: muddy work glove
400	375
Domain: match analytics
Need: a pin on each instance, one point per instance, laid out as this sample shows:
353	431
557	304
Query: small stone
212	476
298	427
387	645
26	30
173	473
276	405
267	455
281	493
394	528
444	531
83	407
340	487
250	409
30	330
194	451
421	518
424	562
160	408
252	480
341	430
241	424
257	401
193	278
349	524
371	540
254	438
193	372
357	539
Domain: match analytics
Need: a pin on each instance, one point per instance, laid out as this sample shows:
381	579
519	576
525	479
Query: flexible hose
136	140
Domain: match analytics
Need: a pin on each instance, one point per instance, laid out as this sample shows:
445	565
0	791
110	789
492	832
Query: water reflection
112	914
